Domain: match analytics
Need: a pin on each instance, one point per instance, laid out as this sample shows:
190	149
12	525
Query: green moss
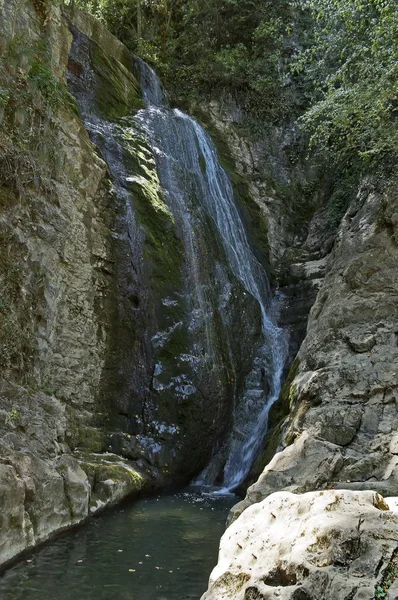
292	393
92	439
119	474
118	91
42	78
390	574
163	249
13	418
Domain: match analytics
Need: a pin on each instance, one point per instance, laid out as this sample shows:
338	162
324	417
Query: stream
160	548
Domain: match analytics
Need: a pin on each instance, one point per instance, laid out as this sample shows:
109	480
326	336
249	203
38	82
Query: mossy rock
163	249
114	482
119	474
21	283
97	31
89	469
117	92
110	478
92	439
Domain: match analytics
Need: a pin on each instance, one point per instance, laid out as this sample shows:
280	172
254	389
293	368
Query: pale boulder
327	545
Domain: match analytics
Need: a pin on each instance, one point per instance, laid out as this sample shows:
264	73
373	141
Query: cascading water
188	166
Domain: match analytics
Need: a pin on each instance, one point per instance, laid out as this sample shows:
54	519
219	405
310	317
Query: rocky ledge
44	487
340	433
327	545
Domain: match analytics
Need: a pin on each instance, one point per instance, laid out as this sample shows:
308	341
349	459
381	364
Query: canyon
180	303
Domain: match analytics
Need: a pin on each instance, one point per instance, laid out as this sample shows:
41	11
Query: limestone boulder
327	545
44	487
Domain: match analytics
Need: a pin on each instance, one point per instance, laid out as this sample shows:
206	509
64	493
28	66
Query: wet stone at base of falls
157	549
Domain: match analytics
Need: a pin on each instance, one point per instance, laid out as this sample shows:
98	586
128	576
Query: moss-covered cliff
58	222
96	302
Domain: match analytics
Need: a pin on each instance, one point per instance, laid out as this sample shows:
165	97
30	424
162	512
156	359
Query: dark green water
157	549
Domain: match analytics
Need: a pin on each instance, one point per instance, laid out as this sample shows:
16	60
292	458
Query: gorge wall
60	293
334	426
338	432
107	381
112	373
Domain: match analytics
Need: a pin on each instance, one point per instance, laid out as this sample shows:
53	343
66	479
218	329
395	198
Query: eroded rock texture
341	430
340	433
329	545
43	487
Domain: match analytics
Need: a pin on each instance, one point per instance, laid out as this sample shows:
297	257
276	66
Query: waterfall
189	168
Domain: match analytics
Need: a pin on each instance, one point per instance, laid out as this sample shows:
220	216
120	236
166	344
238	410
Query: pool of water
160	548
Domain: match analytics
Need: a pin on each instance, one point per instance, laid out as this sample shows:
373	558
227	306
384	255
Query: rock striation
339	436
97	322
63	301
342	422
45	488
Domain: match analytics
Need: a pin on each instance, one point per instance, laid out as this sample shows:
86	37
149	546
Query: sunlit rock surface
43	487
329	545
342	397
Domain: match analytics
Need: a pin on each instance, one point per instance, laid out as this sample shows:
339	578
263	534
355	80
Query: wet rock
98	322
126	445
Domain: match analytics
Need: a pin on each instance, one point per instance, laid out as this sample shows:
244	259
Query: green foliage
41	77
350	70
344	188
30	96
235	47
12	418
390	575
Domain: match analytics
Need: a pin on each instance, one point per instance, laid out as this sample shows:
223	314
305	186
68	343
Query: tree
351	71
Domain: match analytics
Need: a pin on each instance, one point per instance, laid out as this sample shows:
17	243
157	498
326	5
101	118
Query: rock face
329	545
59	242
341	429
96	323
284	200
97	332
43	488
288	204
335	423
